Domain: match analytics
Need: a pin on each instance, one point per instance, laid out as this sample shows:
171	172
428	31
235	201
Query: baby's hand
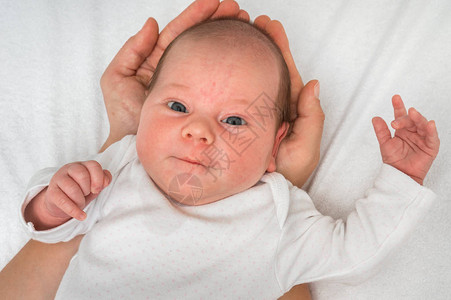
70	190
414	145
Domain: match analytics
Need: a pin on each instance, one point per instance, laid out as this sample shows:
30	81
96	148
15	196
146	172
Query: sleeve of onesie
112	159
314	247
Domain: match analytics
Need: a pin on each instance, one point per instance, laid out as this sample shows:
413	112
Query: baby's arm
70	190
315	247
348	250
415	144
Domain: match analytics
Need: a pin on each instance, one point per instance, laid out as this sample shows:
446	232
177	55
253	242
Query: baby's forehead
201	63
230	35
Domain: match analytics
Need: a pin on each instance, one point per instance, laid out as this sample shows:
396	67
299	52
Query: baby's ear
280	134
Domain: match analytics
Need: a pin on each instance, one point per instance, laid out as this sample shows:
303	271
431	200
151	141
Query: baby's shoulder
288	199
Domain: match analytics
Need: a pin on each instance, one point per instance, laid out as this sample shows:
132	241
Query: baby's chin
197	187
187	189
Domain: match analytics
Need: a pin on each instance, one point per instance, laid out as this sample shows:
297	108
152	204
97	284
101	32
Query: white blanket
52	55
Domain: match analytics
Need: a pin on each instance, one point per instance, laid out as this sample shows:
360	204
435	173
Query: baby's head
239	35
217	110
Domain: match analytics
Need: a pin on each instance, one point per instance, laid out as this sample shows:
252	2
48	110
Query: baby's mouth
198	163
191	161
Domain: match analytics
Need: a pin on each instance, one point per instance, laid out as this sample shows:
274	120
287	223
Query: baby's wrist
418	180
37	213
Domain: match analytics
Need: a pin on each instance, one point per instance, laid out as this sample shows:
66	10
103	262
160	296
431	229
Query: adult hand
299	152
125	81
36	271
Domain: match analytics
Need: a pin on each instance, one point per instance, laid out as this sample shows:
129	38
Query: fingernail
106	179
317	90
394	124
106	182
81	217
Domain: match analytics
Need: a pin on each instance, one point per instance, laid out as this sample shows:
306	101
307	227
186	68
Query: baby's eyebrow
240	101
177	85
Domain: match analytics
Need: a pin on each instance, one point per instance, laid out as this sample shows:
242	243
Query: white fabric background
52	54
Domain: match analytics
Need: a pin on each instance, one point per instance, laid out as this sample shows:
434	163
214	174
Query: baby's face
208	127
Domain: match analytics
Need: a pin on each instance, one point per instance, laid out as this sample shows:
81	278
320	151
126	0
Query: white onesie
255	244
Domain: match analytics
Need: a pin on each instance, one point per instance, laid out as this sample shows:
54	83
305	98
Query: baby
209	132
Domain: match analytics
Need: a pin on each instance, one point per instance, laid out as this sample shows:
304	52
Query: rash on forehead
208	90
218	89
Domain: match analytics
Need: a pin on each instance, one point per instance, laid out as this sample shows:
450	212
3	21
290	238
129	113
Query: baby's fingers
420	121
404	122
381	129
67	200
81	175
398	107
432	140
97	176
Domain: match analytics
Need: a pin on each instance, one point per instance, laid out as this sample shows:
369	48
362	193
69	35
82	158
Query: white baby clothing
253	245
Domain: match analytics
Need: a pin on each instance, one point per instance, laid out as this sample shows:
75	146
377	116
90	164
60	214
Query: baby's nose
198	131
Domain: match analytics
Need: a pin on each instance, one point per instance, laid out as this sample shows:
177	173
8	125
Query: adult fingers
261	21
309	123
227	8
243	15
381	129
132	55
308	103
198	11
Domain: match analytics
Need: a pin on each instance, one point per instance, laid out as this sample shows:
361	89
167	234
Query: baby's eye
177	106
236	121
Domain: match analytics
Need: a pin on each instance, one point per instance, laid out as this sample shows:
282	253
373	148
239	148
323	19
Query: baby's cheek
141	143
249	168
144	150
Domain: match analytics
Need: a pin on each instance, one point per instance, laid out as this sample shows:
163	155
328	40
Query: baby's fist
73	187
70	190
